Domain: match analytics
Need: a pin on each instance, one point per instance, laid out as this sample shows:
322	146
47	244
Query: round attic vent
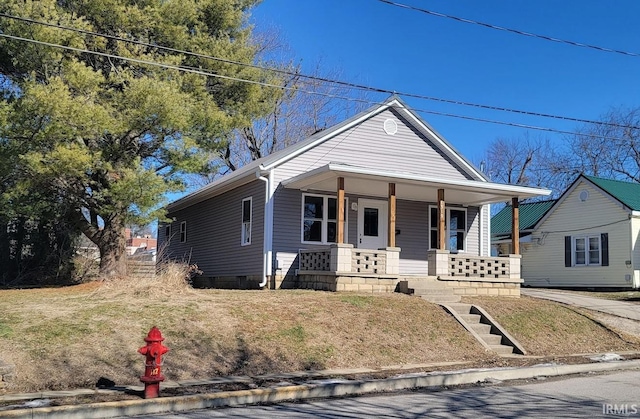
390	126
584	195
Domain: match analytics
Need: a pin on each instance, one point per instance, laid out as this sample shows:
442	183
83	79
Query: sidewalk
616	308
331	387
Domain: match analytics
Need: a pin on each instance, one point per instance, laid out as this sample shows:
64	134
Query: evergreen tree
102	138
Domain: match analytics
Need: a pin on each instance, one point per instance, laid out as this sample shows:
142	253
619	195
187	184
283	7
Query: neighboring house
359	200
139	243
501	225
588	238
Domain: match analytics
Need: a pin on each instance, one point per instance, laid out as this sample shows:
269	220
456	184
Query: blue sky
377	44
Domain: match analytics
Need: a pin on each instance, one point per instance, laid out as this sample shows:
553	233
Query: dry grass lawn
547	328
70	337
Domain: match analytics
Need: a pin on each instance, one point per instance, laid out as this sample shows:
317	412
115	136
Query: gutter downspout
268	227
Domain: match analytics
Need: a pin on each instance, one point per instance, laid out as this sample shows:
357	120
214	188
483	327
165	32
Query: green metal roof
530	213
626	192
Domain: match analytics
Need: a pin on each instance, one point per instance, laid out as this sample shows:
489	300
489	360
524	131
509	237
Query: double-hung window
246	221
586	250
320	219
455	228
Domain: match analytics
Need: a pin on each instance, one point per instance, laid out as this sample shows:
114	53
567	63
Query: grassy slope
70	337
544	327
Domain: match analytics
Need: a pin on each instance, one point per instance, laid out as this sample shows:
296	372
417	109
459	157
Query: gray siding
367	145
214	233
412	221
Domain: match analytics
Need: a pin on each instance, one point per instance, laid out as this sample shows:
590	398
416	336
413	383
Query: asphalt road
610	395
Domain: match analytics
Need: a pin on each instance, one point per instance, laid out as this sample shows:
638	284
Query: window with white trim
167	231
455	228
586	250
320	219
183	232
247	211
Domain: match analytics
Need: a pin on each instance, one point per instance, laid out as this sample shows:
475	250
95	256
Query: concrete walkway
616	308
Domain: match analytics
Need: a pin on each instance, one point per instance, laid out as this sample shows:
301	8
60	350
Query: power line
511	30
210	74
323	79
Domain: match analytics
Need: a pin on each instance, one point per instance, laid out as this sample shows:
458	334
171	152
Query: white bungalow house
589	238
356	206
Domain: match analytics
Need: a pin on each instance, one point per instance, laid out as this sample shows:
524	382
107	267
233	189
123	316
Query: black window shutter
567	251
604	242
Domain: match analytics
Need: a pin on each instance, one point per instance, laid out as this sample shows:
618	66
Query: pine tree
105	136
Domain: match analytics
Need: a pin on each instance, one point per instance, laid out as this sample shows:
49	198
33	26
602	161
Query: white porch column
438	262
340	260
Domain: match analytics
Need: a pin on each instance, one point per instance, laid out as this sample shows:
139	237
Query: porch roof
373	182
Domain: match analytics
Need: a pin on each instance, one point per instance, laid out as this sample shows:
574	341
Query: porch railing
315	259
344	259
479	267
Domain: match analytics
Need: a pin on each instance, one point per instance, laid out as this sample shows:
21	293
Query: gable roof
529	215
627	193
261	166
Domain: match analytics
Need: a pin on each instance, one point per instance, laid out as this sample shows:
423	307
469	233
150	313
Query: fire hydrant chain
154	350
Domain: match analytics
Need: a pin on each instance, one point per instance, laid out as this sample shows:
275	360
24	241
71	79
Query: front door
372	224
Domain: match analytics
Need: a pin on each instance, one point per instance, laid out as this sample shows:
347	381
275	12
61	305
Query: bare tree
307	105
611	149
530	161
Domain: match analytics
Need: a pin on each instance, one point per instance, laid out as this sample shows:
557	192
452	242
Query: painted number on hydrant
153	351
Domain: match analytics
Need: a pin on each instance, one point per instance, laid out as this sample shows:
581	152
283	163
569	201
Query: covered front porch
372	262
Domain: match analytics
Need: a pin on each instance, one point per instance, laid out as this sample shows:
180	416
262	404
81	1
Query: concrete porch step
471	318
492	339
461	308
484	328
502	349
429	289
441	299
481	328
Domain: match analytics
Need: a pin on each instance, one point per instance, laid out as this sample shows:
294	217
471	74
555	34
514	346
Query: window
586	250
167	231
455	228
183	232
320	219
246	221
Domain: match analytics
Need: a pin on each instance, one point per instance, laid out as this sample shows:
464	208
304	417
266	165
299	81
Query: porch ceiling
373	182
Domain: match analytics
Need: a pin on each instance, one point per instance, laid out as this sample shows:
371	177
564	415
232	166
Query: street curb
308	391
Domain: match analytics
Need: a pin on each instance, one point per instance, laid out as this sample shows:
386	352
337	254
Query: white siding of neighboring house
635	243
543	263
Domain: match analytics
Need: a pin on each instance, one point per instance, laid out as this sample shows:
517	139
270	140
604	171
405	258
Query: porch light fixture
628	264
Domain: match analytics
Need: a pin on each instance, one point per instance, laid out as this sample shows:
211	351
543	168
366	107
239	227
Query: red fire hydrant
153	364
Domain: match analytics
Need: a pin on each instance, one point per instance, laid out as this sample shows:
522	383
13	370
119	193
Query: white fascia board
213	189
338	169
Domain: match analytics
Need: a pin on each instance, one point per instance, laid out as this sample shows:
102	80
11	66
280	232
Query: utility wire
323	79
333	96
511	30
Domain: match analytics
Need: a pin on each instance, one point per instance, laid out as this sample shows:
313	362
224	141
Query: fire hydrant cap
154	335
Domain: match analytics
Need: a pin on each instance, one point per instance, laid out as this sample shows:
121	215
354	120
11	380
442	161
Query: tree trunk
112	245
